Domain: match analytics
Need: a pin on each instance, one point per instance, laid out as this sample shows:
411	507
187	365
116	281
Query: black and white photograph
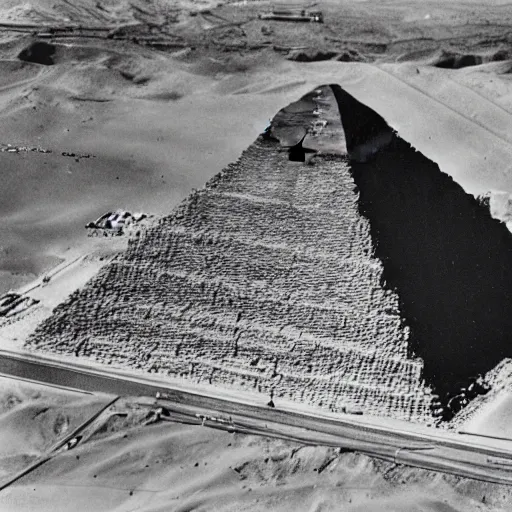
255	255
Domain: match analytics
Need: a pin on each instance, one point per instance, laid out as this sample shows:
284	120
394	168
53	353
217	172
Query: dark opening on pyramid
366	280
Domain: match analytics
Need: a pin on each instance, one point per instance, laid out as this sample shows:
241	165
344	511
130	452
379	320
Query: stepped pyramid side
263	281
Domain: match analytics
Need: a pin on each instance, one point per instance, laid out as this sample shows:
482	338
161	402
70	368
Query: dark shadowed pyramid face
443	253
269	279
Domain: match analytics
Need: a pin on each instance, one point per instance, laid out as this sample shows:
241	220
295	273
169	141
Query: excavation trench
443	253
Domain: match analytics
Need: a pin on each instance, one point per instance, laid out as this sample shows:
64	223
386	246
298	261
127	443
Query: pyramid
264	281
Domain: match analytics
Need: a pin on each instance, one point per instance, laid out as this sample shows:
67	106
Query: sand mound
350	56
34	417
97	73
232	64
129	466
500	55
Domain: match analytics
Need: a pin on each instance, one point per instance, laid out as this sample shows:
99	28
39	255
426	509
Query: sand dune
33	418
141	157
167	466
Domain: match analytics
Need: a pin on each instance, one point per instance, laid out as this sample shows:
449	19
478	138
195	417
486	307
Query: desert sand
35	417
127	462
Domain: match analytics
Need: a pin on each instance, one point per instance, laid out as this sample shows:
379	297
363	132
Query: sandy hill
84	12
35	417
101	129
125	462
